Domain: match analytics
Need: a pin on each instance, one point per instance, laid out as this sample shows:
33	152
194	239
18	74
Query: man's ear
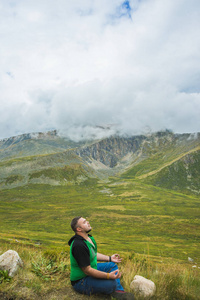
78	229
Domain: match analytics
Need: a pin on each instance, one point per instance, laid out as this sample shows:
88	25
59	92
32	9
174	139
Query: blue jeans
90	285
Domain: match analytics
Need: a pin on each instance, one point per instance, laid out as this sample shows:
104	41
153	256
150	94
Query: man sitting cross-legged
87	276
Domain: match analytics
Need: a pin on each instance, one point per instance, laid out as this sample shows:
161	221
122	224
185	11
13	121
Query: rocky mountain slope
164	159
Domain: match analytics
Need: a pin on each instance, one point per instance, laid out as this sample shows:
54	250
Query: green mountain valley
140	193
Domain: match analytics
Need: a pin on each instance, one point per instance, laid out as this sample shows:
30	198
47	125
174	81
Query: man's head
79	224
74	223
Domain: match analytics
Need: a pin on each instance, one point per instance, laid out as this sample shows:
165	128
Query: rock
10	261
142	286
190	259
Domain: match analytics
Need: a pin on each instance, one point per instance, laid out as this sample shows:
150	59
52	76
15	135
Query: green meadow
154	230
125	215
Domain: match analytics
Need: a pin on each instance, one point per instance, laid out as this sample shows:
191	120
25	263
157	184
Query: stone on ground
142	286
10	261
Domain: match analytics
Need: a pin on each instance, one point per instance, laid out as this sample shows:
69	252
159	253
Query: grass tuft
4	277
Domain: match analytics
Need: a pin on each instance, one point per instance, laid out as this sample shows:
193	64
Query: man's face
84	225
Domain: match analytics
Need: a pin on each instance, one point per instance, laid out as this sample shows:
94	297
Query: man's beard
88	230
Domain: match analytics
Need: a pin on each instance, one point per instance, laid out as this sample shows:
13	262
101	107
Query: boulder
10	261
142	286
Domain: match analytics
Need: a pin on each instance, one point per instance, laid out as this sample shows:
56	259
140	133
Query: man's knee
113	266
111	286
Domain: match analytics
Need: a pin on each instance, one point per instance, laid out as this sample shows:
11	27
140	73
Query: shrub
4	277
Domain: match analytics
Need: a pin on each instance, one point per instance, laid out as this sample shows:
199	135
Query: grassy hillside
172	167
140	217
182	175
45	276
155	231
43	169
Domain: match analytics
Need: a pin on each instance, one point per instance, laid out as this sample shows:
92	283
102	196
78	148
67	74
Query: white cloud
72	65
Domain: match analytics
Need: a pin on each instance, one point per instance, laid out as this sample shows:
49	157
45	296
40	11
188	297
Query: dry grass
46	276
173	279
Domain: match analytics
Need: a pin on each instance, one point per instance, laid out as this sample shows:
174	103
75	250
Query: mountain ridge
31	158
170	163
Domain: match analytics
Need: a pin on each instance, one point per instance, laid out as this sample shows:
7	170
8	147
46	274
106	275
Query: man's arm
102	257
101	275
114	258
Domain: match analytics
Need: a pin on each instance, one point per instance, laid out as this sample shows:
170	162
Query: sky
97	67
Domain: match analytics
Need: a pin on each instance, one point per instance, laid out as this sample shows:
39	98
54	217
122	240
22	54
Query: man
87	276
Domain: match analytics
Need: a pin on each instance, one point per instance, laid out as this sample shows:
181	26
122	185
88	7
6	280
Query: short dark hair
74	223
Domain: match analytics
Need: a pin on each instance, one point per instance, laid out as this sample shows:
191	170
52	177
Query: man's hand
100	274
114	274
116	258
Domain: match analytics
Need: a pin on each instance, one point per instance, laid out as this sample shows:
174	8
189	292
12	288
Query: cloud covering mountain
75	65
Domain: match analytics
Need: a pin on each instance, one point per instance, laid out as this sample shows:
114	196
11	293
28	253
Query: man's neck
83	234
